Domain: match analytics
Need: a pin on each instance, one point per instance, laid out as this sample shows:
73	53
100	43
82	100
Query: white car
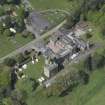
74	56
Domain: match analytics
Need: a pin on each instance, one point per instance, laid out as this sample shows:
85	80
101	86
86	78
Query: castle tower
47	60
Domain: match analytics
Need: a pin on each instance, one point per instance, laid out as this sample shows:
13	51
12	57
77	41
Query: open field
54	4
98	99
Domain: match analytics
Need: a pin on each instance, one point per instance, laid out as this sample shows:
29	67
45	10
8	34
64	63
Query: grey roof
49	53
51	67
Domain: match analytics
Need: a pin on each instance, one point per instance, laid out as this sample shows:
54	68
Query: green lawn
7	45
51	4
53	17
99	98
33	71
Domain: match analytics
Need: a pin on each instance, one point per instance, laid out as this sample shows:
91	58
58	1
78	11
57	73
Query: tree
88	63
7	21
98	60
88	35
84	77
1	28
20	24
8	33
63	84
10	62
20	58
2	2
56	88
9	1
4	78
2	12
103	30
34	84
17	2
4	82
7	101
73	18
70	22
19	97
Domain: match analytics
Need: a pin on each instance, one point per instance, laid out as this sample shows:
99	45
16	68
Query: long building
63	47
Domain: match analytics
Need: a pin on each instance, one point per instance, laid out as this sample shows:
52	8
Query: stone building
50	70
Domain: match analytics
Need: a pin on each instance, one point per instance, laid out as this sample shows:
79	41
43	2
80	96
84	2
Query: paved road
82	56
32	43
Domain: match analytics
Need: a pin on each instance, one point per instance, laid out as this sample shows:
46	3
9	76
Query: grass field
51	4
98	99
8	45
